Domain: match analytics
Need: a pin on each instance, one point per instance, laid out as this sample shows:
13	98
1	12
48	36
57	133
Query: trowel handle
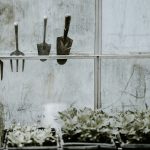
16	35
1	63
67	24
45	24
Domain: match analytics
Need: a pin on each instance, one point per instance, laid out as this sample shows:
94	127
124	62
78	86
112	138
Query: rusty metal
64	43
17	52
44	48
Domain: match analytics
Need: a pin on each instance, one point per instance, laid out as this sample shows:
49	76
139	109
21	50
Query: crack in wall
136	87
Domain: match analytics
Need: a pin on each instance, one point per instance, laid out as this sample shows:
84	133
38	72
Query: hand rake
17	52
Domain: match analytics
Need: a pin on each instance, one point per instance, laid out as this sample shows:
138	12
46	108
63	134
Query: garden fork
17	52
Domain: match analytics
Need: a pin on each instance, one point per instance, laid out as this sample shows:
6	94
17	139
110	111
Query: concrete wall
126	30
45	88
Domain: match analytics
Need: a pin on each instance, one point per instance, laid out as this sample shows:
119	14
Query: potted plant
134	129
30	137
86	128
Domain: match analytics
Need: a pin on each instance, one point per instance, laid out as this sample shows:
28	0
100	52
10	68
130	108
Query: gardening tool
1	64
44	48
64	43
17	52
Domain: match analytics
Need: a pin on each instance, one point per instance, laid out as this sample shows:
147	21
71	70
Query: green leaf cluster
21	136
86	125
134	126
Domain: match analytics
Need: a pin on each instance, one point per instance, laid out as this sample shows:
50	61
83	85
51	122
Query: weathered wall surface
45	88
126	29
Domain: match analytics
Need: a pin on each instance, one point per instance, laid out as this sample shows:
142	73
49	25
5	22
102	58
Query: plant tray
88	146
33	148
136	146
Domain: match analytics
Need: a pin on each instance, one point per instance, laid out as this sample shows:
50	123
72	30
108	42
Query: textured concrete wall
45	88
126	29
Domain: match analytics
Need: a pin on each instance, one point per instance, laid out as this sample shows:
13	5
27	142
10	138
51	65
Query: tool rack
97	56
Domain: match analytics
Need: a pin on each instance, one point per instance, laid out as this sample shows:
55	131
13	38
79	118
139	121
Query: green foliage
20	136
86	125
134	126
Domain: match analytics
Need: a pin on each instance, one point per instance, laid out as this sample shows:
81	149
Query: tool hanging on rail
17	52
44	48
1	65
64	43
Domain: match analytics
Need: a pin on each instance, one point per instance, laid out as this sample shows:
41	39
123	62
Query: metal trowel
44	48
64	43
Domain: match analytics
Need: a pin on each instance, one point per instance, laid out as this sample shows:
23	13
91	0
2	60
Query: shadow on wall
6	12
1	120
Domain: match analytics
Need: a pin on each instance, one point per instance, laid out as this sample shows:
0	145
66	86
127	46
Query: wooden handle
45	24
16	35
67	24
